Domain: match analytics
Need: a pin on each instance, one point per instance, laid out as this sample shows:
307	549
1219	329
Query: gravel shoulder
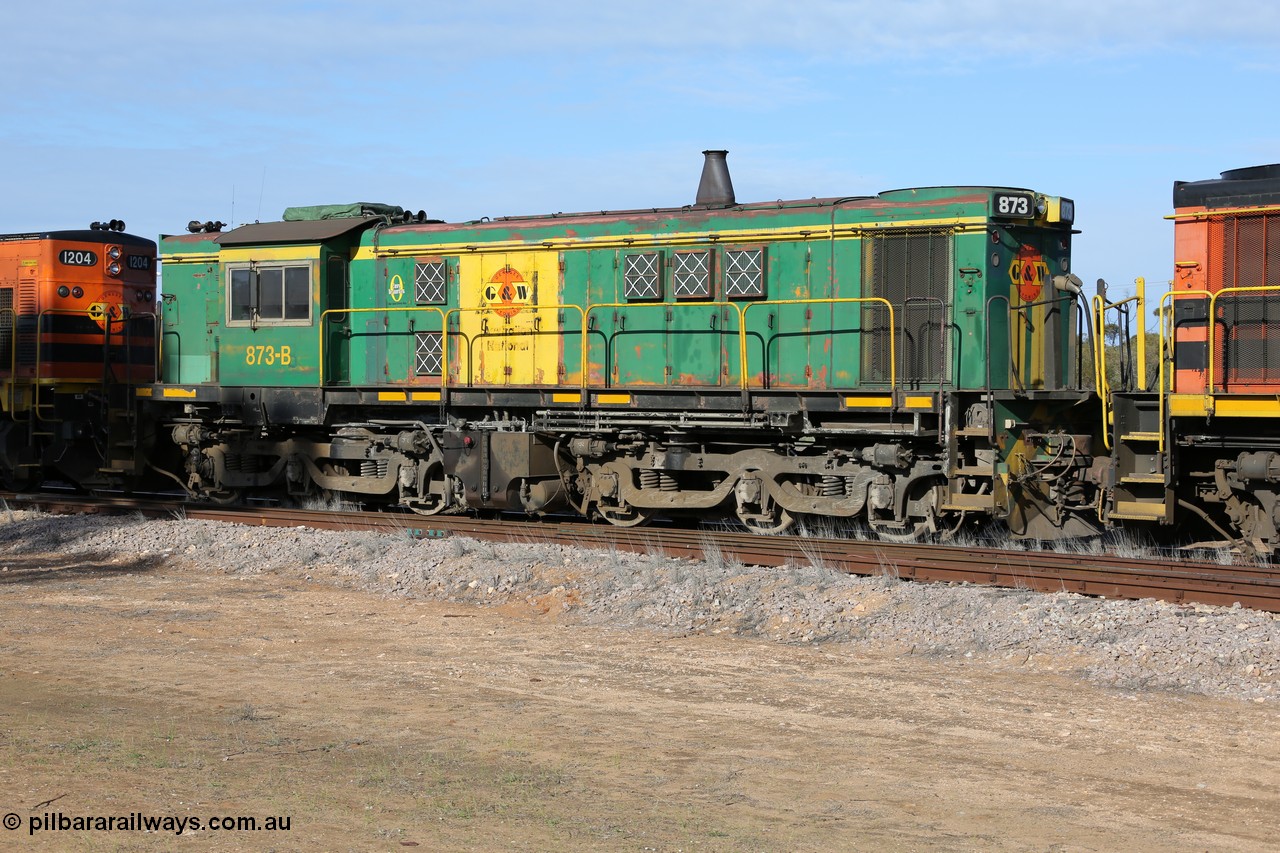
461	695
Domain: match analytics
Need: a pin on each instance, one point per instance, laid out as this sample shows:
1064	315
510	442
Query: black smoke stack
715	186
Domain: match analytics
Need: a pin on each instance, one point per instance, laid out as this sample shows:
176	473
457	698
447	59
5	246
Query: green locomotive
909	359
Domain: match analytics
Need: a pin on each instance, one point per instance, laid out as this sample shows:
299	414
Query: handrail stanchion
831	300
324	315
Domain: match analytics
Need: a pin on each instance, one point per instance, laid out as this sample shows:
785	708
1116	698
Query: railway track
1255	586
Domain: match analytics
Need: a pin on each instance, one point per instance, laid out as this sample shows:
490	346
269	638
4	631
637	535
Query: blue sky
158	113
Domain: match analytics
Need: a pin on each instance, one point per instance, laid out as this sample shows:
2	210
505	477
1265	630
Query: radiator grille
1244	251
912	269
6	327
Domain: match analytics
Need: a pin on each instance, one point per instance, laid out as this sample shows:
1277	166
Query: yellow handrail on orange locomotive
1211	385
1166	355
106	343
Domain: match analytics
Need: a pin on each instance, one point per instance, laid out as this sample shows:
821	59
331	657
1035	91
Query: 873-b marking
268	356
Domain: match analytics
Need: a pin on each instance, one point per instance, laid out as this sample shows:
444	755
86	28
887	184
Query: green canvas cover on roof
354	210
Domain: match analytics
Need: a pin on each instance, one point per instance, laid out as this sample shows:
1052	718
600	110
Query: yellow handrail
1100	368
1213	318
39	341
1140	285
831	300
487	309
321	328
586	318
1100	309
585	313
1166	326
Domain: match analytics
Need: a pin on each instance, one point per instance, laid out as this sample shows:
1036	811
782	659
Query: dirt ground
374	723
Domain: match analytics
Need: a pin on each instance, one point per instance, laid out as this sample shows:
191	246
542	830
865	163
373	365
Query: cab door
337	326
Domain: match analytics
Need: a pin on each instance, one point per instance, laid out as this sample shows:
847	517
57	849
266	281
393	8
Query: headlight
114	268
114	253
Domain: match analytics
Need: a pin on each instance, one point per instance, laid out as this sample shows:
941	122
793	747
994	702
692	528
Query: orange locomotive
77	333
1227	233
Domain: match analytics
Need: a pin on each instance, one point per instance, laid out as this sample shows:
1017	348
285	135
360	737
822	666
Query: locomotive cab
245	305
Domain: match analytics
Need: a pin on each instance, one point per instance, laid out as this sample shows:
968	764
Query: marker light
77	292
64	291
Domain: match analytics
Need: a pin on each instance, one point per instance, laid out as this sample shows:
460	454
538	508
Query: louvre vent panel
913	271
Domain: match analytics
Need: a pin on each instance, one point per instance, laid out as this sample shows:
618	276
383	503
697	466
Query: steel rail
1183	582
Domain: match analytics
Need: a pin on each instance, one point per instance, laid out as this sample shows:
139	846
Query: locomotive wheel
21	479
771	524
623	516
780	521
223	497
912	531
440	492
428	509
921	522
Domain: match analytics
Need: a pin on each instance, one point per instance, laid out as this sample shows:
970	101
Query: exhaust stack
715	188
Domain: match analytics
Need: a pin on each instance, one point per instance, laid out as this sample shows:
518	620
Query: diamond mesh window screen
429	283
640	277
428	354
912	269
691	276
744	273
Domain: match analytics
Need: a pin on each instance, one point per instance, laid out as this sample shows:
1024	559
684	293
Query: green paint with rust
812	250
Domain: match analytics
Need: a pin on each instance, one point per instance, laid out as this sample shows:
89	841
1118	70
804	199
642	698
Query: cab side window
277	294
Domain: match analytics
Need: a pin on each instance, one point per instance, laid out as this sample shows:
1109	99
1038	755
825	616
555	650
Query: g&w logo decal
507	293
1029	272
